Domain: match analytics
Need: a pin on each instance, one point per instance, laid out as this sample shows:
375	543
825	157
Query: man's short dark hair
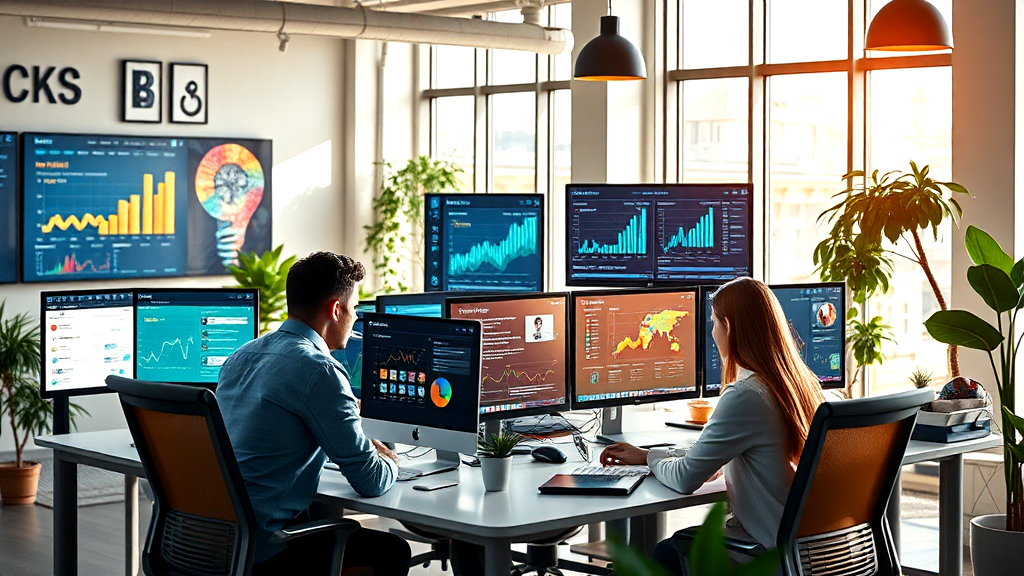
320	277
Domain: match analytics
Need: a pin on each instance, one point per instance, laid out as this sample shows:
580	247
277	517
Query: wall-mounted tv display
8	207
114	207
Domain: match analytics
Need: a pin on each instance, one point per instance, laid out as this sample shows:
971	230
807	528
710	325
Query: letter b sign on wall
142	87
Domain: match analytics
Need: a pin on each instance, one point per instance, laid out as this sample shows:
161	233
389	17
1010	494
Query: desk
491	519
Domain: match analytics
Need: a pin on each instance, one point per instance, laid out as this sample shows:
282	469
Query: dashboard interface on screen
635	345
816	318
484	242
639	235
185	336
86	336
351	357
526	343
8	207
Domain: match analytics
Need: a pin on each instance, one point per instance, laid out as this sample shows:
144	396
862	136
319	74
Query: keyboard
611	471
405	473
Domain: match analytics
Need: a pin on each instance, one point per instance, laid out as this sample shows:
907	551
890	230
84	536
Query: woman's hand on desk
623	454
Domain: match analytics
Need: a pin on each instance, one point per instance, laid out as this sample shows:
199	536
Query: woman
756	433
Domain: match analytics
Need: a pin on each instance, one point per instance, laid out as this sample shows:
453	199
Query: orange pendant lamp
908	26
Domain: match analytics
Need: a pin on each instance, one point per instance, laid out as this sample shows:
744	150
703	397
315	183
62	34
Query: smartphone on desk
430	487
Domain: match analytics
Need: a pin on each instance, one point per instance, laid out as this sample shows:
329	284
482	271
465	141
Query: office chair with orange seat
834	519
203	521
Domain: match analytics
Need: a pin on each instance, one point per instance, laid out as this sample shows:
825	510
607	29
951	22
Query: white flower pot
496	472
995	551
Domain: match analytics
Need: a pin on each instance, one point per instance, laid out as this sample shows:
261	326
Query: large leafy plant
864	341
1000	283
27	412
270	276
897	207
397	232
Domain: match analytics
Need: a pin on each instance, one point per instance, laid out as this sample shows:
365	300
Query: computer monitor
86	335
421	383
634	347
426	305
184	335
8	207
525	352
657	234
484	242
351	357
816	316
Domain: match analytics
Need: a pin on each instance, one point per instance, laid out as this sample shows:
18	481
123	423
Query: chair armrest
316	527
745	547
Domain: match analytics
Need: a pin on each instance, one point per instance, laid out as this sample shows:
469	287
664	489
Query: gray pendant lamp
609	56
908	26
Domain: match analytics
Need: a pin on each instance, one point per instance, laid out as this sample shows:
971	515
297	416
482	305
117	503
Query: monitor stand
445	461
611	431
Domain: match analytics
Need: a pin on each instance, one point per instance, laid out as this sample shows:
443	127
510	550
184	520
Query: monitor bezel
698	347
653	282
841	384
413	434
540	410
135	322
44	391
541	237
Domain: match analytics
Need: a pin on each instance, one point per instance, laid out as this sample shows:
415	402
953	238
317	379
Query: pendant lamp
609	56
908	26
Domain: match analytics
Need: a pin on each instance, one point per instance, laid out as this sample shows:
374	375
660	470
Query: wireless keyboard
612	471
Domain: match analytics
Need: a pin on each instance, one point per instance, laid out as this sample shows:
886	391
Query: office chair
541	556
203	521
834	518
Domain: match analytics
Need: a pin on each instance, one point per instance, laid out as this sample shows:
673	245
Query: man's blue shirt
286	402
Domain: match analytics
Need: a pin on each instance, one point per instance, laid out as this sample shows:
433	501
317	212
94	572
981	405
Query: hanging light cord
609	7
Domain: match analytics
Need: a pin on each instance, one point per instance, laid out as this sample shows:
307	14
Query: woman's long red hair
760	341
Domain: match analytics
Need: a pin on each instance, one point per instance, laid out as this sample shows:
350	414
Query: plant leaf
629	561
994	286
962	328
708	555
983	249
1017	273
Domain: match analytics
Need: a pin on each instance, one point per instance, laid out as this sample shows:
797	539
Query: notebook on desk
591	485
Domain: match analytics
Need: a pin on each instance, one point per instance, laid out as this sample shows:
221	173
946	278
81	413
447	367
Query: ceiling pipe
302	19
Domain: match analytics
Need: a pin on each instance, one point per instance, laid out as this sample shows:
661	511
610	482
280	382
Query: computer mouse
548	454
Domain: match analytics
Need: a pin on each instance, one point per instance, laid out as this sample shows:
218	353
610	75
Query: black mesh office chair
203	521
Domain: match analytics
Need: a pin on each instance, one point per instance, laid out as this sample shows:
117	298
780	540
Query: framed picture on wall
189	93
142	88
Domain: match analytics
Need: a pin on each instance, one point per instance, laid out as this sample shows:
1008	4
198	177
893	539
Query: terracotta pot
700	411
18	485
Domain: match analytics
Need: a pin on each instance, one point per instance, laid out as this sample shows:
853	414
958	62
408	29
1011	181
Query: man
288	406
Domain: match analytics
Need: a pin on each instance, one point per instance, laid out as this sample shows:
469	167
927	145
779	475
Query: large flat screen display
650	234
8	207
634	347
111	207
484	242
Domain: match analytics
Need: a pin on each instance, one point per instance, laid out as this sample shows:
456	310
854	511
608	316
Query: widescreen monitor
421	381
657	234
816	318
484	242
351	357
86	335
184	336
526	347
8	207
634	347
116	207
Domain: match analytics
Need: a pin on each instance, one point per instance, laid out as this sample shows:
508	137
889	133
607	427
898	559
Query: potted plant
26	411
897	207
268	275
496	459
921	378
397	231
996	540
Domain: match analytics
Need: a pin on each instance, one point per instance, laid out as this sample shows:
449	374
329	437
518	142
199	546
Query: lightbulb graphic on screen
229	184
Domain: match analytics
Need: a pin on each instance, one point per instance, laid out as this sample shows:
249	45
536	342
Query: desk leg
892	513
65	516
497	557
951	516
131	525
645	531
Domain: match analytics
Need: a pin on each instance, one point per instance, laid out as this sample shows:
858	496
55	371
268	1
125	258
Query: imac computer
525	350
641	235
421	384
816	317
634	347
484	242
183	336
351	357
86	335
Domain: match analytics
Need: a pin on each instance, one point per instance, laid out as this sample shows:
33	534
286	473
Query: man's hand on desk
623	454
385	451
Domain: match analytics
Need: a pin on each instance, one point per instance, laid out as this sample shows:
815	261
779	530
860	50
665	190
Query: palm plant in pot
997	541
496	459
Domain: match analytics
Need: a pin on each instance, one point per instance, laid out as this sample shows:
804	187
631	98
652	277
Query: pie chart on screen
440	392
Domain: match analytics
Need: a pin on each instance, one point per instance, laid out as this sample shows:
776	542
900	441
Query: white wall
297	99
